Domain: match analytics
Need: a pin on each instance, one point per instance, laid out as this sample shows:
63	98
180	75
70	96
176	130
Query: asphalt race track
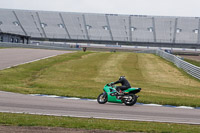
15	56
20	103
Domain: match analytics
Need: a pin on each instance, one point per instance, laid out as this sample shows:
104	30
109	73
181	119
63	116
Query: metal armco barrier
187	67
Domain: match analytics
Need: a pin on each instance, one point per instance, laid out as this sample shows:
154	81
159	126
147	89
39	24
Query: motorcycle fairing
109	90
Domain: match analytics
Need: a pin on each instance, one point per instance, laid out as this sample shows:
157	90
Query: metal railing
187	67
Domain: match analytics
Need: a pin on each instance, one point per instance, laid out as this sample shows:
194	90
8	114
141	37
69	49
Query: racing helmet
121	77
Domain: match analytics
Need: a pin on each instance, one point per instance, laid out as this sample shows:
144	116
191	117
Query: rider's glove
111	84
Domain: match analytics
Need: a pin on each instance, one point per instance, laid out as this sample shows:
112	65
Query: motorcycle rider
124	84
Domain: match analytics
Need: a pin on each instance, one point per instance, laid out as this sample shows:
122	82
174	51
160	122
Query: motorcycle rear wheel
102	98
131	100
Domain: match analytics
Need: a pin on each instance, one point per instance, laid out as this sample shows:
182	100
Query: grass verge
196	63
90	123
84	75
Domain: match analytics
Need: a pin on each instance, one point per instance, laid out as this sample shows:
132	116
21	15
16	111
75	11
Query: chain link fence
187	67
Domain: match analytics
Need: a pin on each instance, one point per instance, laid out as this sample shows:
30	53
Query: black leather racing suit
125	84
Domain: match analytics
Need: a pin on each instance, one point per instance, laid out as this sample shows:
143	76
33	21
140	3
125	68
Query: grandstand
158	31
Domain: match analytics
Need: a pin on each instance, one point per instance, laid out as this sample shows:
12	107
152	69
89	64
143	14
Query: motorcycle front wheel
131	100
102	98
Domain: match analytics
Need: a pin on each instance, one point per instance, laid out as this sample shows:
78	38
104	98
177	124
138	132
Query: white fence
187	67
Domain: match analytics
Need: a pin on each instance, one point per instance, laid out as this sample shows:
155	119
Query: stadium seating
188	27
119	26
96	26
30	23
75	25
10	23
165	28
101	27
143	28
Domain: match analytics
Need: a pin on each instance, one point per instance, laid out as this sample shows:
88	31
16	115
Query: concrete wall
52	46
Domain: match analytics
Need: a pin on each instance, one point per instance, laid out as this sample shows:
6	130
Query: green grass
90	123
196	63
85	74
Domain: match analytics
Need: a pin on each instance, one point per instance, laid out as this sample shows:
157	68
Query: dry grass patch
159	71
85	74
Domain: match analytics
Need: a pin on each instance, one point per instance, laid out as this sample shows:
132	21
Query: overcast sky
133	7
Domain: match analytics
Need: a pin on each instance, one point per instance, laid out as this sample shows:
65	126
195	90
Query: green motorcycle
110	94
